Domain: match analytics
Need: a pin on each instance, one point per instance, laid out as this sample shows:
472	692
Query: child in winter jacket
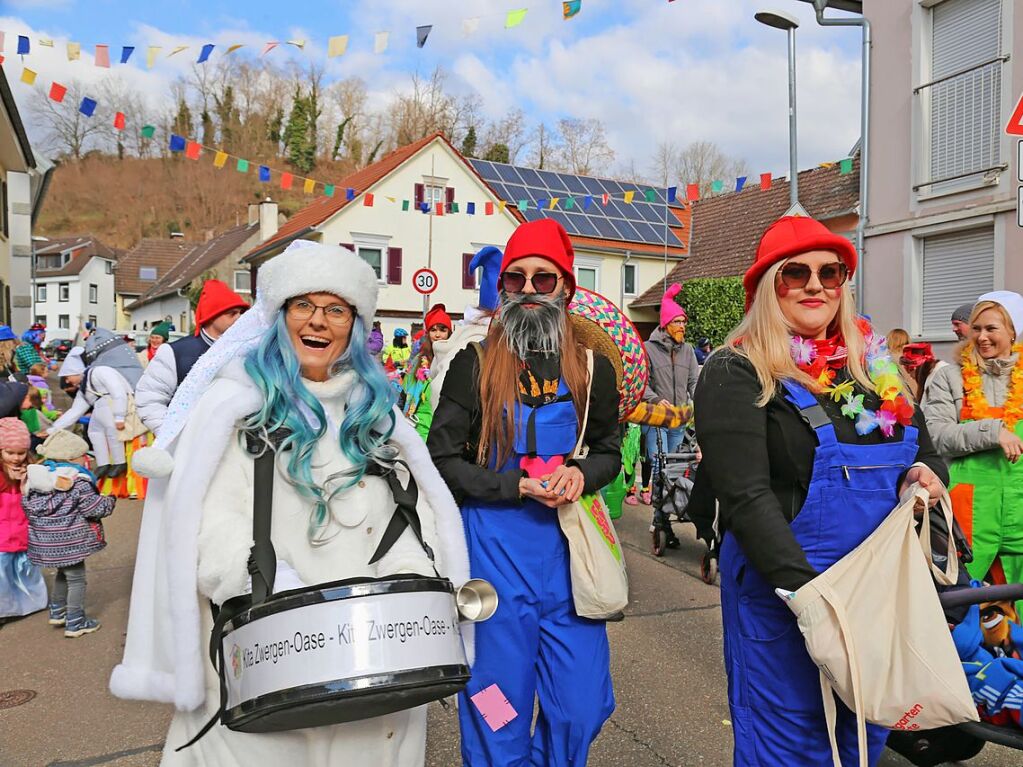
37	378
22	589
36	416
64	511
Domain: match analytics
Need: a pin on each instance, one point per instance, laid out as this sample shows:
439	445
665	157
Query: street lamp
789	23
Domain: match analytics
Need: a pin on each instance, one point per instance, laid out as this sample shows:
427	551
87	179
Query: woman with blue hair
293	374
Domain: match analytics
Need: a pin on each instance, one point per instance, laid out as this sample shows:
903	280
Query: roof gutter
270	246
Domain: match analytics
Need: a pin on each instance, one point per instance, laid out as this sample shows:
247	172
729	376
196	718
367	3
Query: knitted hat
1012	303
670	308
63	446
790	236
962	313
216	299
489	258
73	364
437	316
163	330
14	434
545	238
6	334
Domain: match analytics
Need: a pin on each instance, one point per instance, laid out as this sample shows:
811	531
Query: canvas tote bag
874	626
600	586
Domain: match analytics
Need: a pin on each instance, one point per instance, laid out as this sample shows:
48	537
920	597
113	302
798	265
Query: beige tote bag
600	585
874	626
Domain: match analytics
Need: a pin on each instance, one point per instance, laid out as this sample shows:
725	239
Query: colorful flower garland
975	404
883	372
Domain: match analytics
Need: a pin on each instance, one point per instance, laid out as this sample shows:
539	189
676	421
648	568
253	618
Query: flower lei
975	404
883	372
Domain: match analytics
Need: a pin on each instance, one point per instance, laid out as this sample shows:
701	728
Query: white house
140	269
384	223
74	284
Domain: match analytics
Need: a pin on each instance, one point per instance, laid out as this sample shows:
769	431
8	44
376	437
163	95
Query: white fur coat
165	651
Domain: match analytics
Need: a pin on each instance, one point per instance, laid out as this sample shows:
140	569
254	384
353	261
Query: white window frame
41	293
64	292
434	189
247	279
379	242
63	322
93	293
588	262
635	279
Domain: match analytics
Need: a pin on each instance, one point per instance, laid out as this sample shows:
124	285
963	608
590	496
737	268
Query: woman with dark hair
292	376
503	435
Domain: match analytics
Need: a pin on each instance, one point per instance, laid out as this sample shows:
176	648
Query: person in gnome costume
416	383
29	352
520	405
110	372
293	376
808	440
218	309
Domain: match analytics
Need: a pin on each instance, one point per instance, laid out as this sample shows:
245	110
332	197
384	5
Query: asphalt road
666	659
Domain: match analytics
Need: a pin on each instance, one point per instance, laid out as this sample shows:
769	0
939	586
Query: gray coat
673	370
944	400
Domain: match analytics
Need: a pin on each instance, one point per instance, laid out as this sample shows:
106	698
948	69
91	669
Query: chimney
253	212
267	219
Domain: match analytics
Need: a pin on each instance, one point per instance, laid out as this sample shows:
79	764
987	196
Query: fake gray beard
540	329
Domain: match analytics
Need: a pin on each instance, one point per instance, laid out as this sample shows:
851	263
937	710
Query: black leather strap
405	516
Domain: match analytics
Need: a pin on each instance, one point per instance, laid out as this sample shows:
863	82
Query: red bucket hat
437	315
789	236
215	299
545	238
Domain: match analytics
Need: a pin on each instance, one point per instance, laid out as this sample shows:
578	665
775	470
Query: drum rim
405	583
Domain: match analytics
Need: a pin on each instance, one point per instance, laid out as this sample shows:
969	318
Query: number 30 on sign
425	281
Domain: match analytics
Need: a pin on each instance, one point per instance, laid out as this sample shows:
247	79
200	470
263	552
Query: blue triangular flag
23	44
264	174
740	182
425	207
470	208
126	52
588	202
421	34
349	194
672	192
88	106
541	203
205	54
177	143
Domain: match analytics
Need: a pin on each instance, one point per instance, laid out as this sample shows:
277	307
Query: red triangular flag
440	209
604	198
692	192
57	92
488	209
765	181
286	179
192	150
119	121
367	199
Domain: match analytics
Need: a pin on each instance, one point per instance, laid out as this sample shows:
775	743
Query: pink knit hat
670	308
14	434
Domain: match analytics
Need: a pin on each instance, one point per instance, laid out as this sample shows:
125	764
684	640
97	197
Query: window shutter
468	278
449	194
419	192
957	268
394	266
349	245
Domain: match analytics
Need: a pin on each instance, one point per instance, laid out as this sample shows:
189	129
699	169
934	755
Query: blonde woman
974	409
807	439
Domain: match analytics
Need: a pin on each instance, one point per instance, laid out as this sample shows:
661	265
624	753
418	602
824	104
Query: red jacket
13	522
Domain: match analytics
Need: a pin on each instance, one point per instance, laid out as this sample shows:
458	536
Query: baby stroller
673	492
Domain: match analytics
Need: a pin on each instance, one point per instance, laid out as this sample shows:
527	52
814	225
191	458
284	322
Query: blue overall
774	688
534	646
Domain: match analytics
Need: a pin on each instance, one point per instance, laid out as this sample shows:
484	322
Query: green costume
417	399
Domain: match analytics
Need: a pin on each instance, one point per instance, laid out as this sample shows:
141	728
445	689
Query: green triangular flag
453	208
243	166
845	167
570	203
404	205
717	186
523	204
148	131
328	189
651	195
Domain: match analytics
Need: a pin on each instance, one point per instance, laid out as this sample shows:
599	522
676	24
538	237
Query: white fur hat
1012	303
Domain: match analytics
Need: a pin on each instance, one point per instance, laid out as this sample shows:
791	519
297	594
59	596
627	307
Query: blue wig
368	423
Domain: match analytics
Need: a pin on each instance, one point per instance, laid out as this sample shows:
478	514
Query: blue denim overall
535	646
774	688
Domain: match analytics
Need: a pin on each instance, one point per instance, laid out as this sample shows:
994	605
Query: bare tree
425	109
509	131
584	147
68	132
544	149
703	163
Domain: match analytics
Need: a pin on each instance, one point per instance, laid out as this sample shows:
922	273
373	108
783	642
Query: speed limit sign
425	281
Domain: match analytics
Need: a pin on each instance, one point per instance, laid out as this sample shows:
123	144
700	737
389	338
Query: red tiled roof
726	228
153	252
85	248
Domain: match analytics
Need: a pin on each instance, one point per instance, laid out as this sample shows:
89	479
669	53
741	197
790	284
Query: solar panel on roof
532	214
550	180
516	192
652	213
483	167
507	173
605	227
530	177
592	185
647	232
583	225
572	183
612	187
626	230
499	189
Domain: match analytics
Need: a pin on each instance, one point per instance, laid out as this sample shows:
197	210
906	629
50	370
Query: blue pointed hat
490	259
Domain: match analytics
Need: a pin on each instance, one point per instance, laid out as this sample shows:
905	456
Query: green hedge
715	305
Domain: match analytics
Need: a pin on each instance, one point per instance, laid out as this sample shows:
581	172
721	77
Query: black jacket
456	425
759	461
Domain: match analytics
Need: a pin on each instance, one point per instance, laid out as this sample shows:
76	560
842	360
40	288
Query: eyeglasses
302	310
831	275
543	282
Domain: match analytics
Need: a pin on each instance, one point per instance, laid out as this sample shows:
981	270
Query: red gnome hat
215	299
545	238
438	315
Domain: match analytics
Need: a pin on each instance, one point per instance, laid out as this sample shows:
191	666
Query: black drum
340	652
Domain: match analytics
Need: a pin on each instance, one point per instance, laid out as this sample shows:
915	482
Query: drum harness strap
262	563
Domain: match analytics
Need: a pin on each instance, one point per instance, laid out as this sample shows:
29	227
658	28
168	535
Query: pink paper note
494	707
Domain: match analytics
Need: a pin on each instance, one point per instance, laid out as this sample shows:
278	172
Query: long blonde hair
764	338
979	309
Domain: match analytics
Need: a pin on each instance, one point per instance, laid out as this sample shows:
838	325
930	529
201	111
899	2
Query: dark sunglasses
543	282
831	275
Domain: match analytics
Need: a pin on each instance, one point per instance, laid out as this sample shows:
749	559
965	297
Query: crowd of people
487	430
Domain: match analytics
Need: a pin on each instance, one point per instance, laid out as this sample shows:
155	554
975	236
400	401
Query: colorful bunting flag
329	190
717	186
523	204
628	197
192	150
501	205
233	48
28	76
337	46
439	208
587	202
87	107
845	167
514	18
380	42
308	186
570	8
119	120
569	203
422	33
650	195
541	203
126	51
148	131
488	209
765	181
470	208
177	49
740	182
469	26
264	174
151	53
300	44
604	199
672	193
424	207
349	193
242	166
269	47
102	56
692	192
286	179
204	54
220	159
46	42
57	92
554	202
404	206
24	46
74	51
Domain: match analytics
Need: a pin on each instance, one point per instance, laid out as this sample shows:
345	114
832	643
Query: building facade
74	284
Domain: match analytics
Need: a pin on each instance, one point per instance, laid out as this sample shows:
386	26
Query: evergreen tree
275	129
183	120
469	142
300	147
497	153
339	138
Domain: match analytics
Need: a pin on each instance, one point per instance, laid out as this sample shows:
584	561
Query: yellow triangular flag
380	42
554	203
178	49
220	160
47	43
151	53
337	46
235	47
390	199
628	197
297	43
308	186
501	205
28	76
74	51
514	18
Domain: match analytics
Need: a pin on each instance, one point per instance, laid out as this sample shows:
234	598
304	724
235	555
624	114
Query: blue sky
651	70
